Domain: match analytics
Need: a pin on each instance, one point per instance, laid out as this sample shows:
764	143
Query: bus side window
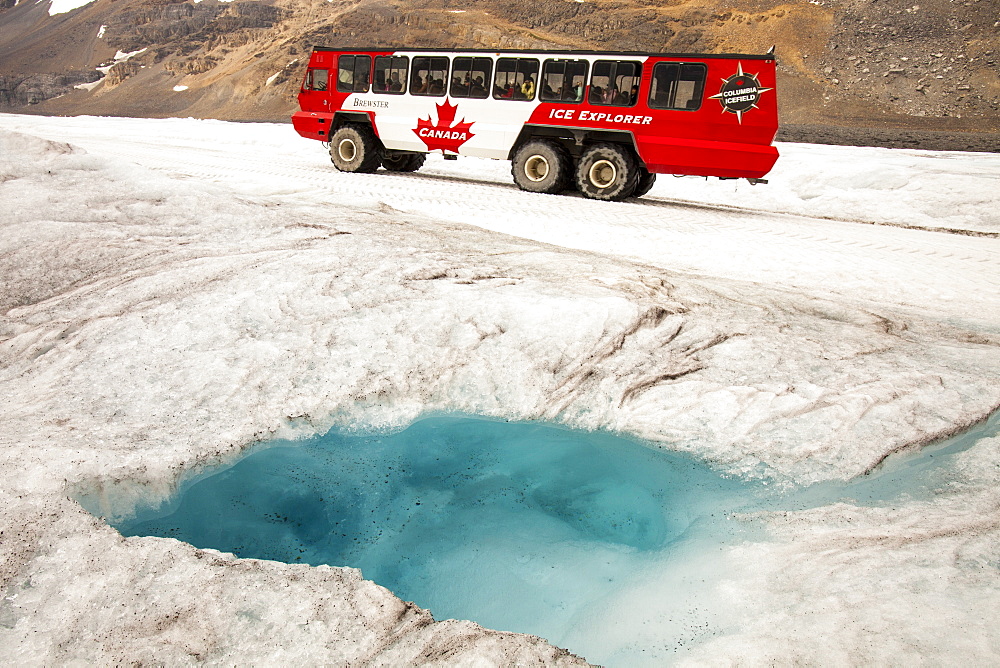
345	74
354	74
691	86
469	77
515	79
316	80
615	82
563	80
429	75
390	74
677	86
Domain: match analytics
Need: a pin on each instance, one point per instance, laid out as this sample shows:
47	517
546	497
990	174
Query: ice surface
173	291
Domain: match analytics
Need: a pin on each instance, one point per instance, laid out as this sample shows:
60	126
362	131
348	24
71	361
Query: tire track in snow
654	201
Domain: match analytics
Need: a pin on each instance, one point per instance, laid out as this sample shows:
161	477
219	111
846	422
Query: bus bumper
698	157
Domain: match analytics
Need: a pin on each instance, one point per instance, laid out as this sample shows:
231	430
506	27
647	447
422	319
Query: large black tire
403	162
646	181
542	167
355	148
607	172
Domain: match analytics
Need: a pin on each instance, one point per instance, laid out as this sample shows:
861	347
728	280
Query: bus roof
555	52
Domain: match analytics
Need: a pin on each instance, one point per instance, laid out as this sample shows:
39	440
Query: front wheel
607	172
354	148
542	167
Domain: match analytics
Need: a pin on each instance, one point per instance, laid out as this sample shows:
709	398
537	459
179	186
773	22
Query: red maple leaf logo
444	135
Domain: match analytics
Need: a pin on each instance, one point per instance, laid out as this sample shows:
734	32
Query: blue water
917	474
475	519
520	527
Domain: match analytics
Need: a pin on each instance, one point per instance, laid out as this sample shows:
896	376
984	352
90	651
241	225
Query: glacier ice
168	298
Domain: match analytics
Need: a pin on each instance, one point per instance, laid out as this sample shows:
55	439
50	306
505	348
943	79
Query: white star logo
740	93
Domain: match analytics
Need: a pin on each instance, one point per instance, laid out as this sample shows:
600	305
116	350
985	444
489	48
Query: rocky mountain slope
871	63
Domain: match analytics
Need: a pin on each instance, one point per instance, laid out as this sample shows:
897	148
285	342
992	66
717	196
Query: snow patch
180	89
100	33
120	57
64	6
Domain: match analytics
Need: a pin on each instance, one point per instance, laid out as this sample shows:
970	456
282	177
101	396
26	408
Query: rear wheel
646	181
542	167
403	162
355	148
607	172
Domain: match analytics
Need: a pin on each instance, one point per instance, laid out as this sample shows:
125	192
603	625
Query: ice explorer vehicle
599	122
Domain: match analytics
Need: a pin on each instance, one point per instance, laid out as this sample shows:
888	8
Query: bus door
314	94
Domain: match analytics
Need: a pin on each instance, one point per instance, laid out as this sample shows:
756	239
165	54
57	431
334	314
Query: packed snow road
173	291
709	227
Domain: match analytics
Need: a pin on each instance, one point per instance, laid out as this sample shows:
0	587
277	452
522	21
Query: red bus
603	123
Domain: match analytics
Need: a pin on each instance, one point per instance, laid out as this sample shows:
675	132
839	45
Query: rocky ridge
891	63
928	59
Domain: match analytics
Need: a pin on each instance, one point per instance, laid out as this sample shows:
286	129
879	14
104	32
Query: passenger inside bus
528	89
515	79
629	98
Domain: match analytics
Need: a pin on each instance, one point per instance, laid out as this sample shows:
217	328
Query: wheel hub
536	168
602	174
347	150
